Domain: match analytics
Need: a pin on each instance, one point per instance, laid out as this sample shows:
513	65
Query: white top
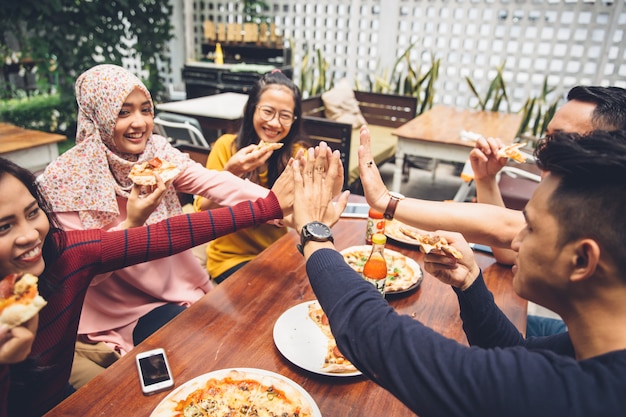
228	106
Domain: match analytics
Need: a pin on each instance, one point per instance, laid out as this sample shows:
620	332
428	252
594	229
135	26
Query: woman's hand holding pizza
459	273
248	159
142	201
16	343
374	188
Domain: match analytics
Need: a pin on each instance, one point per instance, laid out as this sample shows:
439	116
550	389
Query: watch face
318	230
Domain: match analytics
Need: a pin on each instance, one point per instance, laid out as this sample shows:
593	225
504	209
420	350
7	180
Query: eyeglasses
268	113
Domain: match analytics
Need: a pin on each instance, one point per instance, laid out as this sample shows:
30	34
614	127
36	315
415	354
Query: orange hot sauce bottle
375	224
375	268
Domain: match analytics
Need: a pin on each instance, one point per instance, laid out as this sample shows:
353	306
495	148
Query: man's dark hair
590	200
610	111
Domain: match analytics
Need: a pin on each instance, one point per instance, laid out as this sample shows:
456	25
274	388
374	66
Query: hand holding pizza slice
274	146
143	174
19	299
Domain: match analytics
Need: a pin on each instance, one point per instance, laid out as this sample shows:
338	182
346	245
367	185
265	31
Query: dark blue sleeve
436	376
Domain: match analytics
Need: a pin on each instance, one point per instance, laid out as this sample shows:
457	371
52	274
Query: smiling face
134	124
542	265
279	98
23	229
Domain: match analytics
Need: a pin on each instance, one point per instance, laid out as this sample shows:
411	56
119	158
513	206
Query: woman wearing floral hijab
88	188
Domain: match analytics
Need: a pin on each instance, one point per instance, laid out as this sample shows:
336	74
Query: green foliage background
67	37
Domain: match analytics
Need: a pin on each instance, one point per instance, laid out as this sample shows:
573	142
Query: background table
31	149
436	134
232	326
220	112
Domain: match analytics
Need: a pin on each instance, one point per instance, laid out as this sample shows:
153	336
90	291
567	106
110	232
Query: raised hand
374	188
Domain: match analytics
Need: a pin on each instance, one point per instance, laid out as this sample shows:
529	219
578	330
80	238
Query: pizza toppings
334	361
433	243
274	146
512	152
143	174
400	275
19	299
241	393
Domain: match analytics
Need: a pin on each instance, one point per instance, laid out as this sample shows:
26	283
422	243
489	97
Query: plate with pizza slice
393	230
302	335
220	392
403	273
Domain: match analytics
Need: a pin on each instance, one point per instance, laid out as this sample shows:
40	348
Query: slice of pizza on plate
143	173
334	361
19	299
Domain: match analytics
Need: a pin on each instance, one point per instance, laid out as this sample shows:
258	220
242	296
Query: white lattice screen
571	42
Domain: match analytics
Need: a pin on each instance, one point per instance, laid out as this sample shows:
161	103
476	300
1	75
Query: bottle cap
379	239
375	214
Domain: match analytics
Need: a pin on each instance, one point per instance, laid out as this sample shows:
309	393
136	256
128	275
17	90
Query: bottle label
374	226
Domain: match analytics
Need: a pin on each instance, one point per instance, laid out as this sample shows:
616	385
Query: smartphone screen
154	371
358	210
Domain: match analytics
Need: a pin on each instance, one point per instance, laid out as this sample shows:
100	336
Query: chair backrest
180	128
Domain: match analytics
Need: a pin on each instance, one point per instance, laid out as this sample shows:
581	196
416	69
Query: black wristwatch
316	231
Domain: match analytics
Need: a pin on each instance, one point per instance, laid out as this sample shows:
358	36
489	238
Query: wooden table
232	327
220	112
436	134
31	149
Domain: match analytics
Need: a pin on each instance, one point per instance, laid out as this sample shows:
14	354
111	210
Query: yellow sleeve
220	153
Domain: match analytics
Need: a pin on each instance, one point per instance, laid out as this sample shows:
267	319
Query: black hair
55	240
610	111
590	200
247	135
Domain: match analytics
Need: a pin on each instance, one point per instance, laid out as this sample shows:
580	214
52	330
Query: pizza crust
334	361
274	146
23	304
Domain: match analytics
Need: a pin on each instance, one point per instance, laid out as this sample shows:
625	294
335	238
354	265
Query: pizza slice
512	152
143	174
430	243
19	299
274	146
334	361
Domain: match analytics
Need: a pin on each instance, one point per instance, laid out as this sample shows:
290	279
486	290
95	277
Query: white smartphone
154	371
356	210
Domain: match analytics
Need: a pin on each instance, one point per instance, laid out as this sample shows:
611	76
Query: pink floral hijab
87	178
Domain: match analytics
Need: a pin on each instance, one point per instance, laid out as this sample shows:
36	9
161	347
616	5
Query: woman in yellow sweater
273	116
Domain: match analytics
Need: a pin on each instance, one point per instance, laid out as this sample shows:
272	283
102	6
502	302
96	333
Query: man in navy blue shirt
571	258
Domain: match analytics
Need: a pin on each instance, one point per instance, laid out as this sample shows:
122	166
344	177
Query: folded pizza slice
143	173
512	152
19	299
274	146
430	243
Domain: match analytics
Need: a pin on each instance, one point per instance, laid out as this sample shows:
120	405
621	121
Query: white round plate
166	407
299	339
418	276
392	231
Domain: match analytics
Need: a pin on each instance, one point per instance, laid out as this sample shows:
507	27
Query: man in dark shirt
571	258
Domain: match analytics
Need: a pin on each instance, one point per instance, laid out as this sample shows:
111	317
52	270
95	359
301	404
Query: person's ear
586	257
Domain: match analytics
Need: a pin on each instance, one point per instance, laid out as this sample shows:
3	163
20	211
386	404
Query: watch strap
391	207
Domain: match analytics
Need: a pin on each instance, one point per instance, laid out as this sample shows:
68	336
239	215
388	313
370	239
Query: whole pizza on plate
238	392
403	272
